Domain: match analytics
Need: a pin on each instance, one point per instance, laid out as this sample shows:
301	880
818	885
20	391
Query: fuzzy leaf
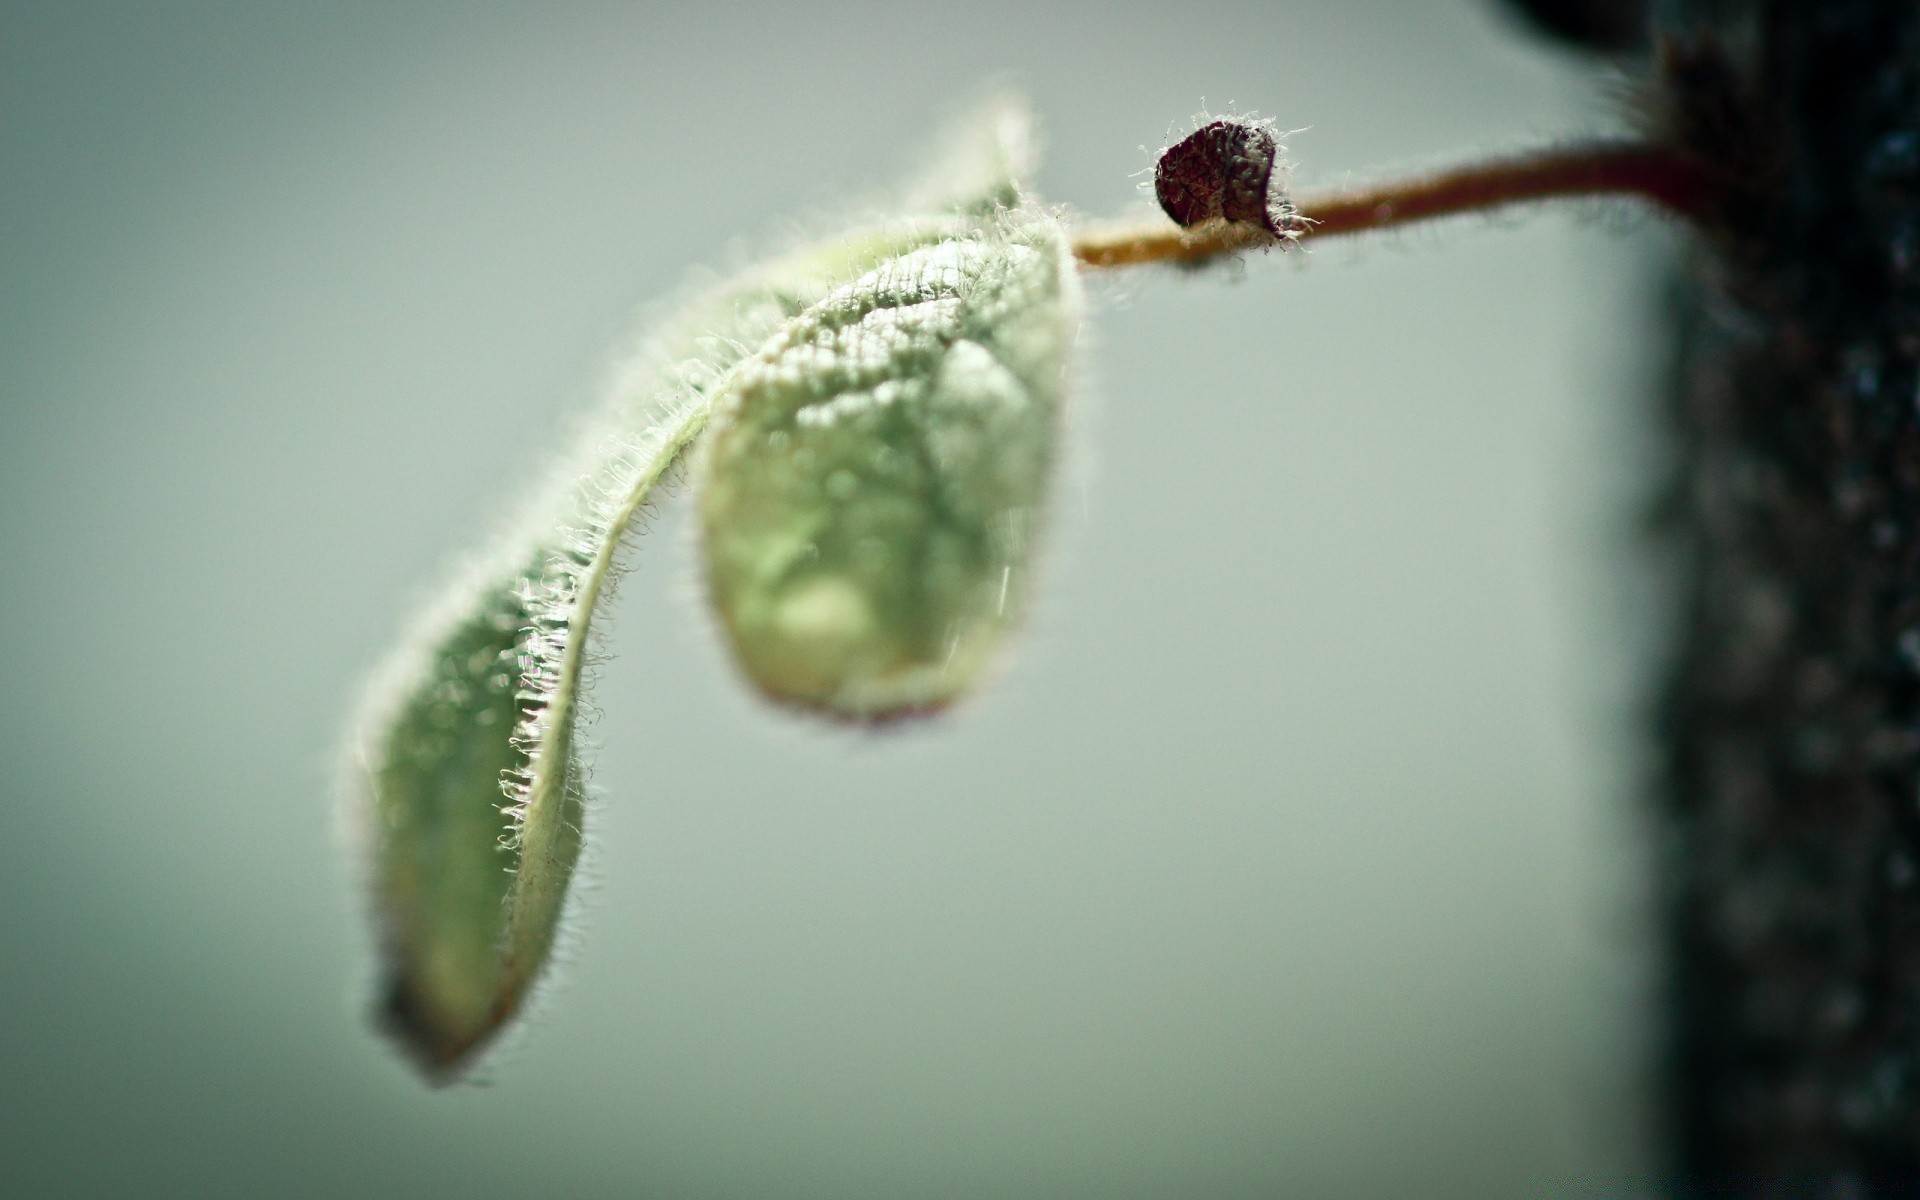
465	767
871	483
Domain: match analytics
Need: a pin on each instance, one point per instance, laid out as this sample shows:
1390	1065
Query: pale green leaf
465	768
871	484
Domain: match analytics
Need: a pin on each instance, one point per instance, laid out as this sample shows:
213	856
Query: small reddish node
1223	171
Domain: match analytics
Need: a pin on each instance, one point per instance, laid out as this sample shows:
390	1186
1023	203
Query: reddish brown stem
1593	169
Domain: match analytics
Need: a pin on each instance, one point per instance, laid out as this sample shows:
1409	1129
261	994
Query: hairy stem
1601	168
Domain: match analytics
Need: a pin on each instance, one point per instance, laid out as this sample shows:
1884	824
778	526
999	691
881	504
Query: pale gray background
1292	856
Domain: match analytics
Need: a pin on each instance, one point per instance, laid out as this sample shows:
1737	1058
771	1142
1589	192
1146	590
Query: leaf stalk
1629	168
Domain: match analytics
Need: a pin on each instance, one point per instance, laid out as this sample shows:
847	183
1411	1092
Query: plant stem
1599	168
1789	836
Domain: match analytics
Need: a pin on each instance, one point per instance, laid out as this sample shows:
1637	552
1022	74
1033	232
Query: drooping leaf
465	768
871	483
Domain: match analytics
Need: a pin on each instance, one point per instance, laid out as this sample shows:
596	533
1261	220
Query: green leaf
871	484
464	765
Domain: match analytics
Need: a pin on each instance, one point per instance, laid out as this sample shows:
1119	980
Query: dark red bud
1223	171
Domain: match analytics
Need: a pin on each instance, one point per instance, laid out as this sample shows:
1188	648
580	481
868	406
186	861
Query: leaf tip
440	1047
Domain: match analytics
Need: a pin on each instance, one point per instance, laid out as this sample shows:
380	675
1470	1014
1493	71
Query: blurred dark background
1294	854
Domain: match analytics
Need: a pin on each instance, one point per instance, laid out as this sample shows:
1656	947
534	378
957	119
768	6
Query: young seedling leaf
465	766
871	483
